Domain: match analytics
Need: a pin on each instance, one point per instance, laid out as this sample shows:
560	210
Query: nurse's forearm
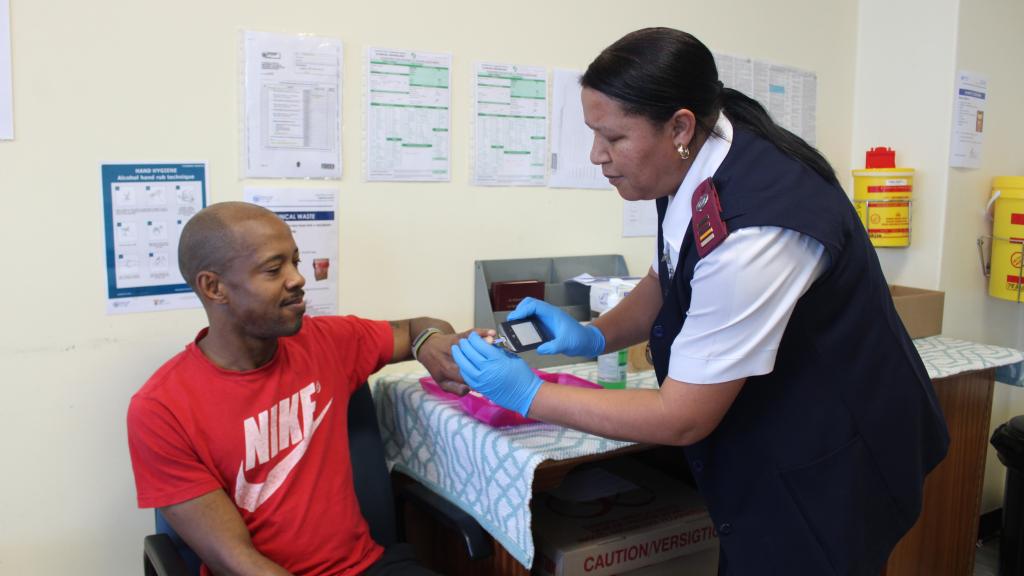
635	415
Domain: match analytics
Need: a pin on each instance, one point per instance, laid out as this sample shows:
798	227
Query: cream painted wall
907	55
990	43
901	100
123	80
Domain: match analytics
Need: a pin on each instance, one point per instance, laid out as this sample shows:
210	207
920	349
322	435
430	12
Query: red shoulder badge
709	229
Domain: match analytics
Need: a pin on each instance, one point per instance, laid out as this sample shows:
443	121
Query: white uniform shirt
744	291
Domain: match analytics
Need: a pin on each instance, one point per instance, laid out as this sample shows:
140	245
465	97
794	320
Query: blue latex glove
569	336
503	377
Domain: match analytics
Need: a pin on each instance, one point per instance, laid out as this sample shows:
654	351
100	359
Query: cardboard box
703	563
638	358
618	516
919	309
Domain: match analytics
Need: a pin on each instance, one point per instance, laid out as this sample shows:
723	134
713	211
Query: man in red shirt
241	439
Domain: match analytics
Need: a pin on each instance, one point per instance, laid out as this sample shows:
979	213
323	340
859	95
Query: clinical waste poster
311	214
145	207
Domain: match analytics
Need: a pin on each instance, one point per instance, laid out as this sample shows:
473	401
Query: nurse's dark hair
653	72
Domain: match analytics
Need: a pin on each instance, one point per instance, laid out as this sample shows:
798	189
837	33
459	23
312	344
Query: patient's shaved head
209	242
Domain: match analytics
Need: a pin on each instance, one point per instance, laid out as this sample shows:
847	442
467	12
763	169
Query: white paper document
311	213
588	279
6	85
407	97
292	86
571	139
789	94
145	207
968	120
511	114
639	218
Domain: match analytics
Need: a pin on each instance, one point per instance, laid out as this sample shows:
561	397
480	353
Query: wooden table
942	542
943	539
441	549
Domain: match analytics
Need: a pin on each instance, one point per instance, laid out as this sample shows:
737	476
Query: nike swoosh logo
252	496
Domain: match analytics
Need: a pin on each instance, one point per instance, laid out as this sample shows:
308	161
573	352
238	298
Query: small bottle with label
611	366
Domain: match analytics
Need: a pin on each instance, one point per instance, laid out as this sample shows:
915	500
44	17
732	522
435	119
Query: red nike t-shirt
275	439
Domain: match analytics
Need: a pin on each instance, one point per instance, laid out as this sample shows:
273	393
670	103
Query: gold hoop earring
684	152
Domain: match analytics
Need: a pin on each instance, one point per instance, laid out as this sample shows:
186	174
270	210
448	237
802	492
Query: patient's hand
436	356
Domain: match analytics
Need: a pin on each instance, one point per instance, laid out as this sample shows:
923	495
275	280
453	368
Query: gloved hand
503	377
569	336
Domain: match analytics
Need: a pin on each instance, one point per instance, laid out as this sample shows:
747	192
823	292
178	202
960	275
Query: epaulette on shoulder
709	229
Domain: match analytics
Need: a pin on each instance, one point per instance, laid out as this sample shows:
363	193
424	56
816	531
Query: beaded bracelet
420	339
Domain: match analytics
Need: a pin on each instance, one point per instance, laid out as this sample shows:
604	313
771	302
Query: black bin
1008	440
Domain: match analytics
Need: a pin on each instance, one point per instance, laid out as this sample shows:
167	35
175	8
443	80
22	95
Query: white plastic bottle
611	366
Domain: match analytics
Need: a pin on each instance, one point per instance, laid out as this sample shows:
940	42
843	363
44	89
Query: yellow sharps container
881	195
1007	268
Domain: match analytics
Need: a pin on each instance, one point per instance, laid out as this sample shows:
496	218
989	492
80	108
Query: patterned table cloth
488	472
948	356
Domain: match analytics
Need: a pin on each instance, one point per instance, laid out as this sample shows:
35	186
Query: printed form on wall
145	207
788	94
292	87
571	139
511	114
311	213
407	97
968	133
6	85
639	218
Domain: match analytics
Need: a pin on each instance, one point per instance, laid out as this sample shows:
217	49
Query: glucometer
522	335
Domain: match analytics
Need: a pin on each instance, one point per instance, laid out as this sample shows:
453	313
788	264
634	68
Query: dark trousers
398	560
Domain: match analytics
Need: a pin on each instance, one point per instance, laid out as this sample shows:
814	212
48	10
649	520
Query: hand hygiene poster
145	206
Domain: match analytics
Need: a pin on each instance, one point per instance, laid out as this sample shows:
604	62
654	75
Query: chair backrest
370	469
369	472
192	561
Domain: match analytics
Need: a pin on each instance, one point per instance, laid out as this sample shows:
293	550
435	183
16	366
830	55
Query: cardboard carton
919	309
638	358
703	563
619	516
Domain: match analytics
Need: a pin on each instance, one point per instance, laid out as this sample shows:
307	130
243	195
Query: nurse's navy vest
817	467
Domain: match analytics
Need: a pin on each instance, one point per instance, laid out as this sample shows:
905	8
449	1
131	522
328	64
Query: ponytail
747	113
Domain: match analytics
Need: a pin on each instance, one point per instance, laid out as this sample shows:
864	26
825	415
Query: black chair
166	554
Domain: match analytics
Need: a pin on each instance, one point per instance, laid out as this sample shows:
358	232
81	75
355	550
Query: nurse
808	418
